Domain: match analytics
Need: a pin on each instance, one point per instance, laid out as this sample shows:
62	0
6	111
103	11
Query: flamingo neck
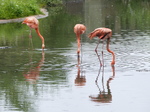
78	43
42	38
113	55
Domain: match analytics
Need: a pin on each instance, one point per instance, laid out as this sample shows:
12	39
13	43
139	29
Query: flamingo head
32	22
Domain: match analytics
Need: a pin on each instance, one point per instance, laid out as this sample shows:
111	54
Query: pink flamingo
78	30
33	23
103	33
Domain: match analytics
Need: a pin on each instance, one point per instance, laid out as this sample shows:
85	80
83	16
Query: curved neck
113	59
42	38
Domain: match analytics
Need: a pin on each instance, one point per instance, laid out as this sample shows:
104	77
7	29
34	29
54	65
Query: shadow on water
80	78
34	72
103	96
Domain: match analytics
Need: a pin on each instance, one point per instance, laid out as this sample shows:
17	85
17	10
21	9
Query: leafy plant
18	8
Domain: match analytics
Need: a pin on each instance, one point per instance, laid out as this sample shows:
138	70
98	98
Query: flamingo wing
100	32
95	33
32	22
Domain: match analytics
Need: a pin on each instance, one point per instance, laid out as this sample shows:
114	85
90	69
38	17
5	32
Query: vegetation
134	13
19	8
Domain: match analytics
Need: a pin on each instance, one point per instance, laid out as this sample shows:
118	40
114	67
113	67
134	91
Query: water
35	81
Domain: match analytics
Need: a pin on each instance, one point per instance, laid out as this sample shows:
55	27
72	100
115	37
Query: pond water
32	80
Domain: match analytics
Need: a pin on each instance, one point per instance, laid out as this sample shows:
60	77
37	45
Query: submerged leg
31	43
101	70
98	74
30	34
78	44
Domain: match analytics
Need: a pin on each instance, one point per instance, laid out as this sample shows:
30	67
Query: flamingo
103	34
33	23
78	30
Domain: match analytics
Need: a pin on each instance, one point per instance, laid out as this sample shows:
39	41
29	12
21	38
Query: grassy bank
18	8
11	9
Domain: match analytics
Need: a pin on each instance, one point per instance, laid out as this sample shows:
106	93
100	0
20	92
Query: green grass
10	9
18	8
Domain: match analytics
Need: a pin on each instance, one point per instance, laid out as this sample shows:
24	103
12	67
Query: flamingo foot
78	55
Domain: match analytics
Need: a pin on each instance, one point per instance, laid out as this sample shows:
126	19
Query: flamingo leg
97	53
78	44
98	74
31	43
30	38
98	87
101	68
103	79
30	34
103	53
113	55
81	47
78	59
78	49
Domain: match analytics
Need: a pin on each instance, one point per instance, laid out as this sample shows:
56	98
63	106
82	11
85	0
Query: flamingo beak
24	22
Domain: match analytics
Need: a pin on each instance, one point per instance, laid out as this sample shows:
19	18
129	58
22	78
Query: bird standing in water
33	23
78	30
103	34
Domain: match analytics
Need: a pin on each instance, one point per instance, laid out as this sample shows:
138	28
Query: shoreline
21	19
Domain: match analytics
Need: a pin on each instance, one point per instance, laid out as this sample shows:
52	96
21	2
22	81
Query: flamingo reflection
103	95
80	79
33	73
